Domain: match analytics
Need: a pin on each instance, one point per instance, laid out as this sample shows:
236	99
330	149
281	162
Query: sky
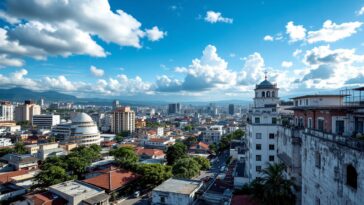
181	50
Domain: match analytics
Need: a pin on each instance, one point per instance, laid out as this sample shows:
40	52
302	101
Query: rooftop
321	96
81	117
75	188
181	186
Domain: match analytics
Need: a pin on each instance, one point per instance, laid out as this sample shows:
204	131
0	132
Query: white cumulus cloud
268	38
215	17
97	72
286	64
295	32
155	34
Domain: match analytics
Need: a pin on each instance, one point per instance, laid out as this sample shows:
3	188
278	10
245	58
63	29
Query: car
136	194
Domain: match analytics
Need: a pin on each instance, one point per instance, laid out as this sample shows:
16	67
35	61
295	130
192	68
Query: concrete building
115	104
262	129
176	192
26	111
81	131
174	108
5	142
46	121
80	193
123	119
6	111
212	134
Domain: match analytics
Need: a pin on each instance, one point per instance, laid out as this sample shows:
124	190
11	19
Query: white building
46	121
82	130
212	134
123	119
176	192
6	111
262	129
4	142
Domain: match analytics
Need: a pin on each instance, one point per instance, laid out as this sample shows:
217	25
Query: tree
154	174
6	150
188	128
202	162
190	141
125	156
77	165
118	138
186	168
19	148
90	154
59	161
176	152
213	148
50	176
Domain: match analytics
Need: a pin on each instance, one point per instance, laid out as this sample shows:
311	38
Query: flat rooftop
180	186
75	188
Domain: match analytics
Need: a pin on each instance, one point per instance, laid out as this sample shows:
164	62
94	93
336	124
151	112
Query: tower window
351	176
317	159
263	94
273	94
268	94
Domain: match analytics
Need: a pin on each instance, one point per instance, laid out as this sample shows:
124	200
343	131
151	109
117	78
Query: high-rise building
231	109
82	130
262	129
6	111
115	104
123	119
46	121
174	108
26	111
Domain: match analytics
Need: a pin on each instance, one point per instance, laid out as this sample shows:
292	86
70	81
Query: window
271	158
351	176
258	135
263	94
317	159
306	101
320	124
268	94
271	147
309	123
258	168
257	120
163	199
339	125
273	94
258	146
271	135
274	120
258	157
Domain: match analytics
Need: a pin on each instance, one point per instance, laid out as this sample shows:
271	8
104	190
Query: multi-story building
212	134
26	111
46	121
6	111
5	142
115	104
262	128
231	109
174	108
81	131
123	119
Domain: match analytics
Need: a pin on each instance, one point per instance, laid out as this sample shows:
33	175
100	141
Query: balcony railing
350	142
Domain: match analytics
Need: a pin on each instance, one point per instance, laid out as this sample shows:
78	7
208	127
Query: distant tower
115	104
231	109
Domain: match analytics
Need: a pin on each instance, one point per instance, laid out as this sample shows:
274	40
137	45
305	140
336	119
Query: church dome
265	84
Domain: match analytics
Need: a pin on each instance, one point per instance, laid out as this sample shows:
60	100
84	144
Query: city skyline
180	50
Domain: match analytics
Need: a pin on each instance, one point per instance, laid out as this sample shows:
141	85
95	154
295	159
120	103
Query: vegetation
19	148
190	141
153	124
203	163
226	140
186	168
125	156
52	175
188	128
272	188
213	148
6	150
119	138
153	174
176	152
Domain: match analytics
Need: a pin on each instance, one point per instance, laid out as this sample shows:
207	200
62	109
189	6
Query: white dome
81	117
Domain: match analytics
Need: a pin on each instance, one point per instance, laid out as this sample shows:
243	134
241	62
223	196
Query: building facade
45	121
123	119
26	111
6	111
174	108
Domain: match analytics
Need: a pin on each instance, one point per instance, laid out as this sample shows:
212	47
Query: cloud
253	70
331	32
268	38
10	62
166	84
361	11
215	17
17	78
60	83
286	64
97	72
63	28
155	34
296	52
295	32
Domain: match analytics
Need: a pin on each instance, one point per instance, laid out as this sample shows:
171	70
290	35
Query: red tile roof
200	145
149	152
112	179
158	140
6	177
46	198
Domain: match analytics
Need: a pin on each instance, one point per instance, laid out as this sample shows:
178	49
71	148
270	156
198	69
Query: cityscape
152	102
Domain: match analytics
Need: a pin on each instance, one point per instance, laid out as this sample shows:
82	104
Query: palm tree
277	189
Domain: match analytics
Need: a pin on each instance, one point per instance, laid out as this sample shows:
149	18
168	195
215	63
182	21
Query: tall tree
125	156
202	162
50	176
154	174
20	148
176	152
186	168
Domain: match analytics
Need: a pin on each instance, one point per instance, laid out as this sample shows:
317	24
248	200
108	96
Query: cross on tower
265	75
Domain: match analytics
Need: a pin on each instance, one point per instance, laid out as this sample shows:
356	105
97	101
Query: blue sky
181	50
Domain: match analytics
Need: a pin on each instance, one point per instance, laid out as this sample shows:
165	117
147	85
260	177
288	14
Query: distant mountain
21	94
